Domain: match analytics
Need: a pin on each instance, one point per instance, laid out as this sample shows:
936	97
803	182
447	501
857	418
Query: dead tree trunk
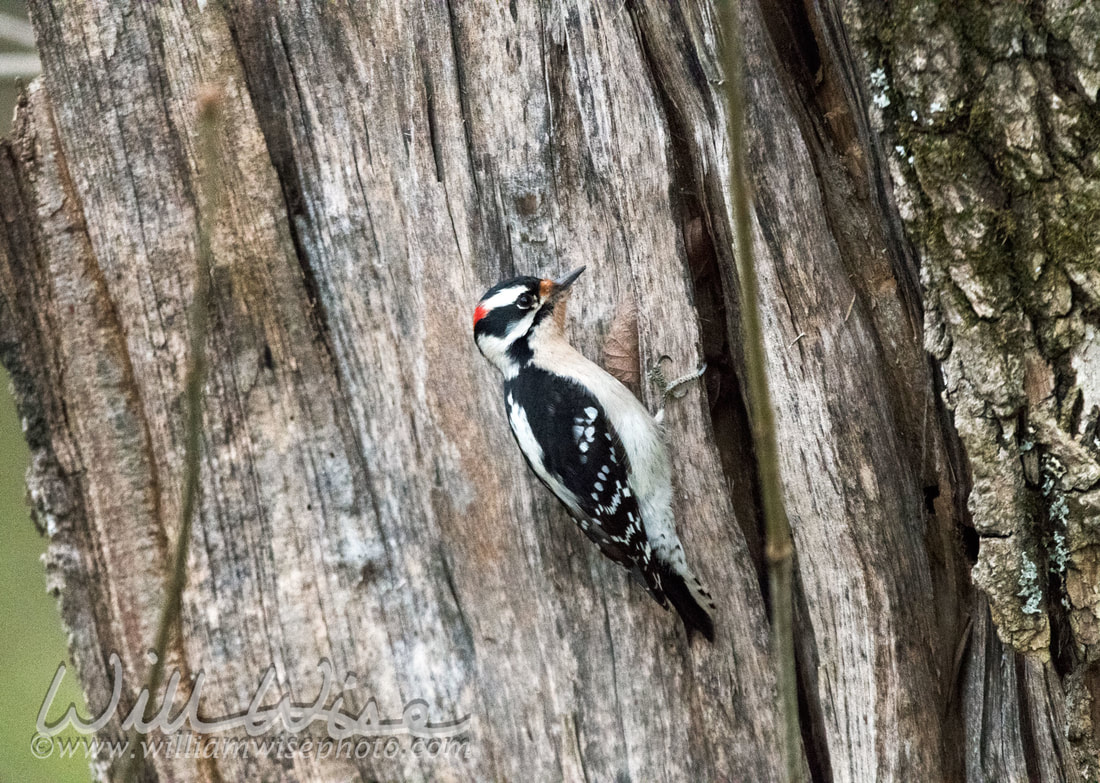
922	175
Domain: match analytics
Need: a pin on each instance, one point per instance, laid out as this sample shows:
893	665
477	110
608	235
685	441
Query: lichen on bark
991	111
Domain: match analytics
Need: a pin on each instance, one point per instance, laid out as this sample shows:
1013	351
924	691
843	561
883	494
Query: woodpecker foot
672	389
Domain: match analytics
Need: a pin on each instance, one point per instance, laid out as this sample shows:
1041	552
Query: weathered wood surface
362	500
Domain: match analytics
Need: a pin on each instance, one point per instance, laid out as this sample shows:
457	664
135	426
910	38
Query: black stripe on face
499	321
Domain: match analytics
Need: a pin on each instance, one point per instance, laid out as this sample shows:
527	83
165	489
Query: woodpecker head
514	312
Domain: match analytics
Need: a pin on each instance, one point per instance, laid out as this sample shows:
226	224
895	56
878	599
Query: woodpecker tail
692	601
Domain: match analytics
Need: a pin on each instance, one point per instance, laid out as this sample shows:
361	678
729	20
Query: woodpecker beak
553	289
564	282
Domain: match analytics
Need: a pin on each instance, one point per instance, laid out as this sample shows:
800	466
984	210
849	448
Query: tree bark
361	497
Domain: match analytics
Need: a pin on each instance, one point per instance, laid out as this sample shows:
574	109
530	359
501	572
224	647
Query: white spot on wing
637	438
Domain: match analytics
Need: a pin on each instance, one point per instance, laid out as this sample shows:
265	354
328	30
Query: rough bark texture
991	111
362	500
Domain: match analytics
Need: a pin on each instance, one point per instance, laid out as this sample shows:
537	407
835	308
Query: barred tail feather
691	600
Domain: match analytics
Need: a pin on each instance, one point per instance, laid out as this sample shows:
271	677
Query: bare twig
779	548
210	121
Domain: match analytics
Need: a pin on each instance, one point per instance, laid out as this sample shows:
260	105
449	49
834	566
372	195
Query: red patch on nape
479	313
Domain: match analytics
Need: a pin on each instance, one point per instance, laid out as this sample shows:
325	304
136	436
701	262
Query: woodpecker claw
671	389
657	376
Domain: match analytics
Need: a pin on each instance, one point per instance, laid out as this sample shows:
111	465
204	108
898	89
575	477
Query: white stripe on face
503	297
521	327
495	349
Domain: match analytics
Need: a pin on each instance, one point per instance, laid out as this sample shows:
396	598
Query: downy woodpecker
589	440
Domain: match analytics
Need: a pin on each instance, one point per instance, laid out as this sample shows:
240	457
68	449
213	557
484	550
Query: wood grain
362	500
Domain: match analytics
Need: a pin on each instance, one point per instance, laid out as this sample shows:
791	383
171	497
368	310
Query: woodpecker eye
525	301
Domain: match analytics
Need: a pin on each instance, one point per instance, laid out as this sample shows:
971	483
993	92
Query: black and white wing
571	446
